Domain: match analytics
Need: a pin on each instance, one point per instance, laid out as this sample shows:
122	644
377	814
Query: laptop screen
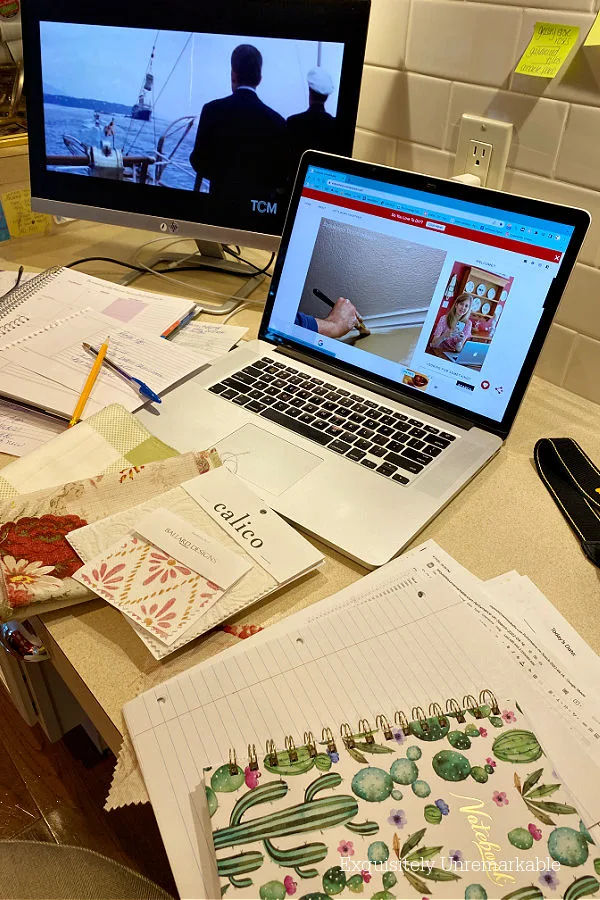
440	295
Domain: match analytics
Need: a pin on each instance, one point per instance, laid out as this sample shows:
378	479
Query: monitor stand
209	255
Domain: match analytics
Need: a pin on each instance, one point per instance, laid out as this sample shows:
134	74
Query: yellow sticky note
548	49
593	36
20	218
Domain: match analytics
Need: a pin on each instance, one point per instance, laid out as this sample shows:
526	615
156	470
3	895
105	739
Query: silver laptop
346	415
472	354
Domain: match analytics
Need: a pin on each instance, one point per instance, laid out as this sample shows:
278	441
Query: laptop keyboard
391	443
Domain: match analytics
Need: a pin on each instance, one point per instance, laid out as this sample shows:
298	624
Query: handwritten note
20	218
21	432
548	49
210	340
593	35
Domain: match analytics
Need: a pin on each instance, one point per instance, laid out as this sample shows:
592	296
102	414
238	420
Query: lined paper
21	431
399	648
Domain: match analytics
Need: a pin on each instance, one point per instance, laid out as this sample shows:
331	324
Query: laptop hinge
412	402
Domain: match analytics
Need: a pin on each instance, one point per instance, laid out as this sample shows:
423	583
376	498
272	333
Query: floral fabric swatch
37	562
158	593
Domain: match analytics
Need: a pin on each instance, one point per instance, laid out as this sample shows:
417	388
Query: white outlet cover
489	131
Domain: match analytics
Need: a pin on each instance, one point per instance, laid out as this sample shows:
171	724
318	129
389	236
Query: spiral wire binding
420	724
15	296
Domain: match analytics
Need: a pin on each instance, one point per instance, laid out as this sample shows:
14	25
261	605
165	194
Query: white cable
234	312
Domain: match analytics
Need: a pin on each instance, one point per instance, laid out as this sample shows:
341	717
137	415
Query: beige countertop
504	519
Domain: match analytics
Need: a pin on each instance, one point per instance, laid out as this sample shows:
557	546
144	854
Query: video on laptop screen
437	294
169	109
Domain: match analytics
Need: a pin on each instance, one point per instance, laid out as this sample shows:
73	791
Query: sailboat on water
143	108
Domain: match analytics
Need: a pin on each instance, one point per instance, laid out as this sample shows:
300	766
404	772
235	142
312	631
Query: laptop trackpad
265	460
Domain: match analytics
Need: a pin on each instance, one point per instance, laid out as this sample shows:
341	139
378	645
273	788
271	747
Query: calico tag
254	526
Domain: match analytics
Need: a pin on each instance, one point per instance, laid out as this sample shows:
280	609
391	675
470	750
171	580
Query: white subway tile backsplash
429	61
404	105
374	147
579	308
386	42
583	369
579	79
538	123
559	192
427	160
578	158
473	42
555	355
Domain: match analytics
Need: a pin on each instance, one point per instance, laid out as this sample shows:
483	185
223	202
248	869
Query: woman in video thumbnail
454	329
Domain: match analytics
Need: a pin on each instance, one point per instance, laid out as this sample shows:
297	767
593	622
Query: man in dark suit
314	128
239	142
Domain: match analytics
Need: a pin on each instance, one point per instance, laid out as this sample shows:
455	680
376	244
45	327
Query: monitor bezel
579	219
122	203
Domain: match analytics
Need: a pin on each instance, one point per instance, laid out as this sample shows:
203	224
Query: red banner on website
467	234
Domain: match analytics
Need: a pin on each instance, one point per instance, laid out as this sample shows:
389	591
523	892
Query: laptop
342	416
473	354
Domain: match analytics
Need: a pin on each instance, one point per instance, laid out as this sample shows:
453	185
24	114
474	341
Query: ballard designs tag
193	548
261	532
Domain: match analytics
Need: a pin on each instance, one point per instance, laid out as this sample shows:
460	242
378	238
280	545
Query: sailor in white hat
320	82
315	128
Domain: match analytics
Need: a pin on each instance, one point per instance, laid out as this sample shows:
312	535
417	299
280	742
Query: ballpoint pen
144	390
180	323
89	383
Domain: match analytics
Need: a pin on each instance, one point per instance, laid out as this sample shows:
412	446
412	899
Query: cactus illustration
531	892
533	797
517	746
432	814
315	815
266	793
298	857
320	784
432	729
451	766
583	887
311	815
234	866
364	828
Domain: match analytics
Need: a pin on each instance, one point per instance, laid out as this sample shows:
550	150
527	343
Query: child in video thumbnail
454	329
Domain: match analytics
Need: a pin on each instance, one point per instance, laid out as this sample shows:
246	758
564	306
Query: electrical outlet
482	149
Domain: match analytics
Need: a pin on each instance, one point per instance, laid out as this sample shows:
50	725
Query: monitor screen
452	294
196	120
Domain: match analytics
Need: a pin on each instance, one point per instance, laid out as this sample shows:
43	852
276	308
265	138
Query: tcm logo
263	206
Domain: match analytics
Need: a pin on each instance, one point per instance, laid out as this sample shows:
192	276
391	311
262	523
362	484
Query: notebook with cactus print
462	803
369	793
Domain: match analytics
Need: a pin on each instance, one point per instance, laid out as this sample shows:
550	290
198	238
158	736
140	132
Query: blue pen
144	390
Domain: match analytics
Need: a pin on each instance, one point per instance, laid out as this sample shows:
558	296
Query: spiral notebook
56	292
346	729
47	368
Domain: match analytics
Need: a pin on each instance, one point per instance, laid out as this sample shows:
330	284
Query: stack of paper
185	561
402	638
48	368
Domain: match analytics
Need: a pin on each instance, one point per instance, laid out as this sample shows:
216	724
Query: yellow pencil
89	384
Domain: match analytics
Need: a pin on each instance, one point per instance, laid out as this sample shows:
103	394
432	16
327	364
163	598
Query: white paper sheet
210	340
21	431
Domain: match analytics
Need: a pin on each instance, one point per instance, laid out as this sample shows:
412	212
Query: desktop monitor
187	118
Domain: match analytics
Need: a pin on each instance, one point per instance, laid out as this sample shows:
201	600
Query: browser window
437	294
